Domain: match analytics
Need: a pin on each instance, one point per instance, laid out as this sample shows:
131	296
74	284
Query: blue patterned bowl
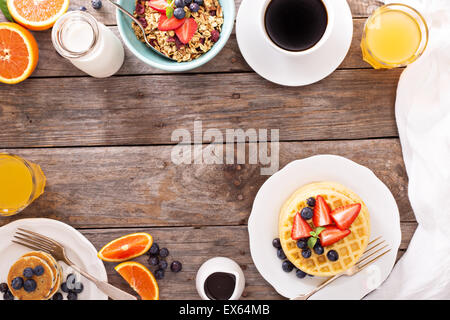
153	59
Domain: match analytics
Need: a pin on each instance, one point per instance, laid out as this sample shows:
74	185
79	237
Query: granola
209	20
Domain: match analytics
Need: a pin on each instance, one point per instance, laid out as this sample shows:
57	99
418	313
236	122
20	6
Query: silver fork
359	266
36	241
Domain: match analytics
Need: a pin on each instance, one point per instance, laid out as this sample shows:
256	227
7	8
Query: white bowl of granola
188	33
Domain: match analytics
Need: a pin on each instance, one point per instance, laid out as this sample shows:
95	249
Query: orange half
37	14
126	248
140	279
19	53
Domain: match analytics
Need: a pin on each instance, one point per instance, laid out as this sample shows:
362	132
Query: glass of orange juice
395	35
21	182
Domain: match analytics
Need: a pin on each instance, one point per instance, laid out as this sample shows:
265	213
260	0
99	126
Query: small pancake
44	282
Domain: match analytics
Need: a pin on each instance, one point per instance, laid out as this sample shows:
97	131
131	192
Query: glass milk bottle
88	44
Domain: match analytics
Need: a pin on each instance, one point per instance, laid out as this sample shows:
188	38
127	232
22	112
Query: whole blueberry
179	13
96	4
287	266
8	295
29	285
280	254
194	7
307	213
17	283
159	274
164	252
83	8
318	249
57	296
306	253
70	281
154	249
64	287
176	266
77	288
332	255
72	296
163	264
302	243
300	274
187	2
28	272
38	270
276	243
179	3
311	202
153	261
3	287
199	2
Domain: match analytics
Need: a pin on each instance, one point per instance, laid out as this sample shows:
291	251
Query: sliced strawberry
159	5
169	24
300	229
344	216
322	212
187	30
331	235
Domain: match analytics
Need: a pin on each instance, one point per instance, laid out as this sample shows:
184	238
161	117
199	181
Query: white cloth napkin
423	120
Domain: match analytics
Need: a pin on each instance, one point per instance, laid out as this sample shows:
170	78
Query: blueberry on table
287	266
28	272
307	213
154	249
194	7
3	287
17	283
306	253
38	270
153	261
164	252
332	255
276	243
83	8
64	287
8	295
163	264
318	249
72	296
179	3
70	281
78	288
281	254
57	296
159	274
302	243
311	202
96	4
29	285
179	13
300	274
176	266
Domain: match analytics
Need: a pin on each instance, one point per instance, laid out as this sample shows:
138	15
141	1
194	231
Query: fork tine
54	242
373	247
29	246
373	260
33	242
35	238
376	239
372	254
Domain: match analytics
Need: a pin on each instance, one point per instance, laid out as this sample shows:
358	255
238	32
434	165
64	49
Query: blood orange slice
140	279
19	53
127	247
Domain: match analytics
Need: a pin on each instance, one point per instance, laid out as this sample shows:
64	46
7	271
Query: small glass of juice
21	182
395	35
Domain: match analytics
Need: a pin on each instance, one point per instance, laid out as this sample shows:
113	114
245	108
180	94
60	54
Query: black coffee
220	286
296	25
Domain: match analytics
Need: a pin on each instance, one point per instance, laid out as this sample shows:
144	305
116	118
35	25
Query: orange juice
21	182
394	36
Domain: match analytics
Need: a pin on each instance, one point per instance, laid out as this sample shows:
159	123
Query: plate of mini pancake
341	182
16	258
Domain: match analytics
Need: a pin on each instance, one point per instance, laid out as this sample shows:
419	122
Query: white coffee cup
330	25
220	264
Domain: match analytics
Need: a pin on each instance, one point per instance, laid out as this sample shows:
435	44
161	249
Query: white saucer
263	225
286	70
79	250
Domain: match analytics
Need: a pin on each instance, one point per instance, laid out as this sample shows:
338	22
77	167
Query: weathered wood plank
140	186
350	104
229	60
193	247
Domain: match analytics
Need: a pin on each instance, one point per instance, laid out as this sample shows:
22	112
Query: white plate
286	70
78	248
263	225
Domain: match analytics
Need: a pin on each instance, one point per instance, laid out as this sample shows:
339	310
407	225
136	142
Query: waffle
349	249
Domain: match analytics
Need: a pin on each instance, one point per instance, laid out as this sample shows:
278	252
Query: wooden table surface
105	144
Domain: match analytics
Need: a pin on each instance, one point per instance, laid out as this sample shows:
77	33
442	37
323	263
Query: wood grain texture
350	104
193	246
140	186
